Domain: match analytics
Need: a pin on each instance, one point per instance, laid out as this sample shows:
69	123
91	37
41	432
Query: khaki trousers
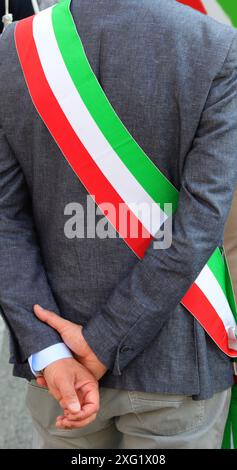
230	242
133	420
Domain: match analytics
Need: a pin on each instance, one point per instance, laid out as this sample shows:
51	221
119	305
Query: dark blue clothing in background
19	8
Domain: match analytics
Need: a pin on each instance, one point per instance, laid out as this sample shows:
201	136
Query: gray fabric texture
133	420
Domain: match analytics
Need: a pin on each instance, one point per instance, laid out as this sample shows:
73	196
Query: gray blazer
171	75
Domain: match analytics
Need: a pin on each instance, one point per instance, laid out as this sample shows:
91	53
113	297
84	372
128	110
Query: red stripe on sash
196	4
69	143
200	307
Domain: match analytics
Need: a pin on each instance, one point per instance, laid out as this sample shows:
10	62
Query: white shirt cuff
42	359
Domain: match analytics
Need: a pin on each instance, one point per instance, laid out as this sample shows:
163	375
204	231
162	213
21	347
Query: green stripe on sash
230	8
131	154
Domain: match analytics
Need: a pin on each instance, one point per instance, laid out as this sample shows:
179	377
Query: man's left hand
72	336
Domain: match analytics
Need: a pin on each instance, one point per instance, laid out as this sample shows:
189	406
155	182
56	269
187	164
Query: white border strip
85	127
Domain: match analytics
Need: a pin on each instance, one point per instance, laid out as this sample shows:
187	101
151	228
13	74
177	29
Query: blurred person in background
230	242
22	8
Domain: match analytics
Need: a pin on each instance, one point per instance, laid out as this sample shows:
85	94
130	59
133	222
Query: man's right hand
76	390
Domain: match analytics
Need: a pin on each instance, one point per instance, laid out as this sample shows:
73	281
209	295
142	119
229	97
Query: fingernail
39	307
74	407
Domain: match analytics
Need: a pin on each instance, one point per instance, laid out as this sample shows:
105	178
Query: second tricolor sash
106	158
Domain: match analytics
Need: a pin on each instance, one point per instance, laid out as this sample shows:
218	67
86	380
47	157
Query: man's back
156	61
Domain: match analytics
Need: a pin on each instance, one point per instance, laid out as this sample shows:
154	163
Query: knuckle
69	399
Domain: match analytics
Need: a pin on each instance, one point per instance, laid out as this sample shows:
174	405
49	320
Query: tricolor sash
107	159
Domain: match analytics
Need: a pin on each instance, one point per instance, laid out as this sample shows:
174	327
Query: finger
51	318
86	412
41	382
59	419
90	403
91	399
89	406
67	424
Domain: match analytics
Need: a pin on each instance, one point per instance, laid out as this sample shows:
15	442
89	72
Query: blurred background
22	8
15	428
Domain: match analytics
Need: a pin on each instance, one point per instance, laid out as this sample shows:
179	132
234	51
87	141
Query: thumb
51	318
69	399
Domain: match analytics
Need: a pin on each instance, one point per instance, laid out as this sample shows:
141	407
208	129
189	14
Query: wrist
85	349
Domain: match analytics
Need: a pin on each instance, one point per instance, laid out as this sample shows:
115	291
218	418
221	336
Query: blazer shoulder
179	25
192	34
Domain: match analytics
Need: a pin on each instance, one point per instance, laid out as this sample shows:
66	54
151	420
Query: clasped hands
73	382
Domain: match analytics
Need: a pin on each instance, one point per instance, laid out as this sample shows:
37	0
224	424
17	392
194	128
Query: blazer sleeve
142	303
23	281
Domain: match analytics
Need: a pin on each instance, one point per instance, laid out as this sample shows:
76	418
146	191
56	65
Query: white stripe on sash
210	287
215	10
85	127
